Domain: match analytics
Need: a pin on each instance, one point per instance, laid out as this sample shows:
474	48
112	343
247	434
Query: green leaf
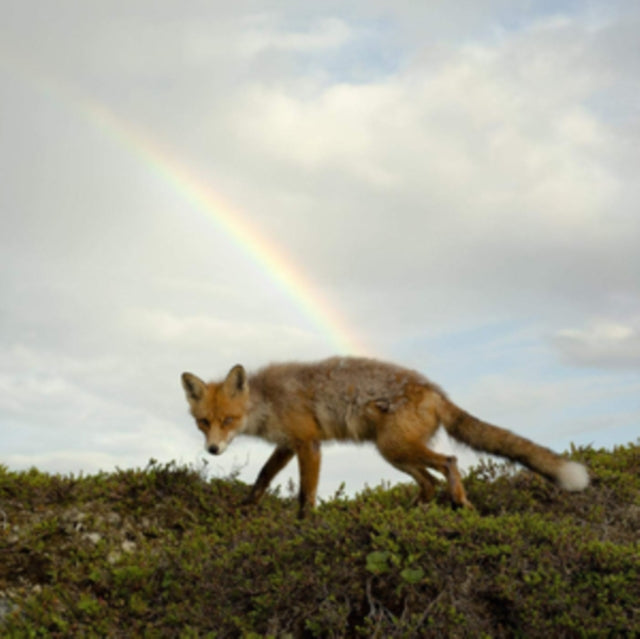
412	575
378	561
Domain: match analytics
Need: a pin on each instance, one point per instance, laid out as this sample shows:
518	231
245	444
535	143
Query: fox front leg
280	457
309	463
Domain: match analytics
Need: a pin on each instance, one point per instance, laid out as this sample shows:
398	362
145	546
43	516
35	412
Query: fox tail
487	438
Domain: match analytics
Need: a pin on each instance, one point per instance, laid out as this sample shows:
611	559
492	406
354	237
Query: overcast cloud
458	182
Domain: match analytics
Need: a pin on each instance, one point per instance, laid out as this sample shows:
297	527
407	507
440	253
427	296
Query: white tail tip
573	476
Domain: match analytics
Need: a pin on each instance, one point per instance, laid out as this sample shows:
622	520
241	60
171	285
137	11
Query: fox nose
213	449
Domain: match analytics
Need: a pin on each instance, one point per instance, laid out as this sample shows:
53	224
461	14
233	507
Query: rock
93	537
128	546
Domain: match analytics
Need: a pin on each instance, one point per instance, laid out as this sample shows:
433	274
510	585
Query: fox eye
203	423
228	421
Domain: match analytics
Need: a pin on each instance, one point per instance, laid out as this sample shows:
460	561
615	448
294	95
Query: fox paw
465	504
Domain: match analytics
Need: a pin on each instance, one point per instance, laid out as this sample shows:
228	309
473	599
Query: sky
190	185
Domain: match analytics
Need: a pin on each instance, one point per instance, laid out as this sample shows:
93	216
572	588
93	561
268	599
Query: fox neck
256	415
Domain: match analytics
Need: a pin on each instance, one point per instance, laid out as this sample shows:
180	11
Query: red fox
296	406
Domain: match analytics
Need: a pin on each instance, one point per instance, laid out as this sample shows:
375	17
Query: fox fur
296	406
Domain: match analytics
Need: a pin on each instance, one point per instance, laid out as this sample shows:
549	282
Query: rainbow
265	254
286	275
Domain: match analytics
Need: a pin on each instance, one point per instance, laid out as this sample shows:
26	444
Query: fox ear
236	382
193	387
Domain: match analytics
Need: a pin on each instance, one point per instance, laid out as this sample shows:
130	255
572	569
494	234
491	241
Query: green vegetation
161	552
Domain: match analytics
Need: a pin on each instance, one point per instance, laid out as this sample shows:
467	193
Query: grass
162	552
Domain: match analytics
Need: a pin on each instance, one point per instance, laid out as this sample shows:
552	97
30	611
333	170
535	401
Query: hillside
160	552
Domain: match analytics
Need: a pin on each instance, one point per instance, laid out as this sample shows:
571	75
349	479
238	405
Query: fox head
218	408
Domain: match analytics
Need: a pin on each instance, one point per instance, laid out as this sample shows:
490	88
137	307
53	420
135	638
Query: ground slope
161	552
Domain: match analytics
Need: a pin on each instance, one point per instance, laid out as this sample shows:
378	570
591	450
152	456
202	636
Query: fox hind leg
413	458
427	483
448	466
425	480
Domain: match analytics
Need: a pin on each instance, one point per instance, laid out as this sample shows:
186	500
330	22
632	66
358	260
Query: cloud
481	166
602	343
188	335
326	33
